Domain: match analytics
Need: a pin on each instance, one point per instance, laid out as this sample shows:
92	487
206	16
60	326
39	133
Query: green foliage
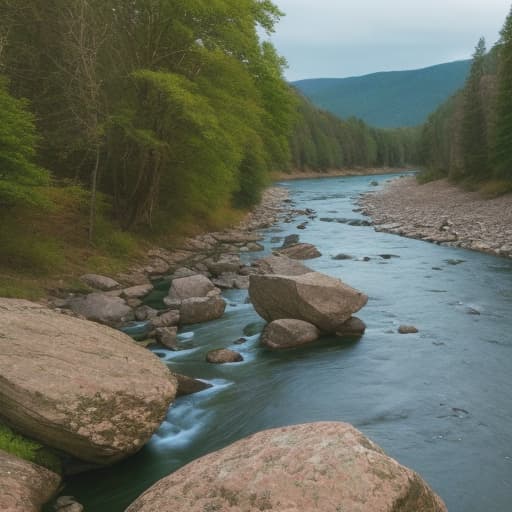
20	178
27	449
387	100
503	126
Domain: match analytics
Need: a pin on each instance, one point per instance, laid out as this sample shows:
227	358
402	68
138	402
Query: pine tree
503	133
474	130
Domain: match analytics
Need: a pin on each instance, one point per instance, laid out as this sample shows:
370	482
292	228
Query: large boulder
289	333
189	287
280	264
25	487
313	297
317	467
202	309
102	308
77	386
301	252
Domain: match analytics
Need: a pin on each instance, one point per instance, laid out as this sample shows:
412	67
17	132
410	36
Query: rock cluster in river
327	467
442	213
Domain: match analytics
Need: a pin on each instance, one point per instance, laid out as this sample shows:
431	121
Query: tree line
469	137
160	108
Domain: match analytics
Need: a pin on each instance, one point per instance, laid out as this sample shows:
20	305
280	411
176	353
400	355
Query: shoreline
335	173
441	213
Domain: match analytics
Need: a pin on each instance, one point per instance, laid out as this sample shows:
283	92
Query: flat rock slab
328	467
316	298
281	264
25	487
78	386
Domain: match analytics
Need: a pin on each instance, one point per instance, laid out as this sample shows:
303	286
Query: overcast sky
339	38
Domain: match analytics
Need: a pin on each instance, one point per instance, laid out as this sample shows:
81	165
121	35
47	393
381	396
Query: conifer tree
503	131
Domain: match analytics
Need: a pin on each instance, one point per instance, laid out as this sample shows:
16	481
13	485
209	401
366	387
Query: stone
225	264
254	328
290	240
168	337
329	467
86	390
225	281
24	486
407	329
352	327
67	504
145	313
189	386
166	319
98	307
103	283
287	333
189	287
201	309
342	257
157	267
137	292
255	247
279	264
313	297
233	237
223	355
301	252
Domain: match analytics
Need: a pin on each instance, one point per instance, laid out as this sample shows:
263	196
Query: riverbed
437	401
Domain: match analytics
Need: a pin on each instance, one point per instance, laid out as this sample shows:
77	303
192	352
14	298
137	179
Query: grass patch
428	175
29	450
495	188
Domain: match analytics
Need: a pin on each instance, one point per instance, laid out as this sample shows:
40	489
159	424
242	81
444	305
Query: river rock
308	468
255	247
407	329
25	487
103	283
280	264
80	387
301	252
223	355
168	337
137	292
202	309
189	287
166	319
352	327
189	386
290	240
227	263
288	333
99	307
67	504
145	313
313	297
183	272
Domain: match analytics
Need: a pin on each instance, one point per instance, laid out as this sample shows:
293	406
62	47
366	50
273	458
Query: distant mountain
388	99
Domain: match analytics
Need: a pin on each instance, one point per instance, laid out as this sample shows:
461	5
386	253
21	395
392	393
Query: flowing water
439	401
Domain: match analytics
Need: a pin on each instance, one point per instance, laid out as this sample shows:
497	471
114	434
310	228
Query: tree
474	129
20	178
503	126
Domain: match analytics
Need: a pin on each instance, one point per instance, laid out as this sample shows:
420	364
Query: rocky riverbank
442	213
333	173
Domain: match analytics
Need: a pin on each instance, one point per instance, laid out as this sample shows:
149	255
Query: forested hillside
469	137
390	99
150	115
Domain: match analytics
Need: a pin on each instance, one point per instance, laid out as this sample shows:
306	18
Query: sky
340	38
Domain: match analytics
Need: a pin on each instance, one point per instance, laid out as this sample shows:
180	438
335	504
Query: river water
438	401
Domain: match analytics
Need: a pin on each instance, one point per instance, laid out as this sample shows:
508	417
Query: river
438	401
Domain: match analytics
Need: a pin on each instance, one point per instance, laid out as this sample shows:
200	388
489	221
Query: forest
138	112
469	137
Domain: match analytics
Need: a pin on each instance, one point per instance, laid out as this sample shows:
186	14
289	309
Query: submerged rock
189	386
223	355
290	240
80	387
325	467
313	297
25	487
407	329
352	327
301	252
288	333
